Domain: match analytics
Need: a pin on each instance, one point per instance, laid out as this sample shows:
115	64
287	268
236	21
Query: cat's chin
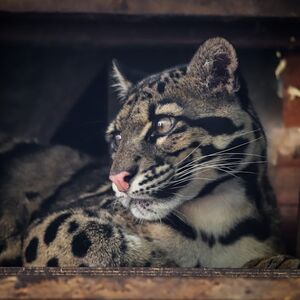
148	209
142	213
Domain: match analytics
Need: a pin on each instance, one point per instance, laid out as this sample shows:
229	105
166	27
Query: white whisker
226	150
230	137
199	167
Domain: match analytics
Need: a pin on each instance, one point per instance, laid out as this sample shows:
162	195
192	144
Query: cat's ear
120	82
214	65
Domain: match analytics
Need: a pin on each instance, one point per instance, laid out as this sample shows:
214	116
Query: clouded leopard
189	183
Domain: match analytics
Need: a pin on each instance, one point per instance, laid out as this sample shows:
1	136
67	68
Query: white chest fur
216	214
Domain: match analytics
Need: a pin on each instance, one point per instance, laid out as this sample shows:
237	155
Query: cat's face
174	130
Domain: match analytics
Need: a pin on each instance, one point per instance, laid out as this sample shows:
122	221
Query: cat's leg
82	238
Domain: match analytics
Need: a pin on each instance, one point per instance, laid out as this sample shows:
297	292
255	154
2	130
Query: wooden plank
286	183
150	272
249	8
298	230
83	287
291	91
289	217
124	31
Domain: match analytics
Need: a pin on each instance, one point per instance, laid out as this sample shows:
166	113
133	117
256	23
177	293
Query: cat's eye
118	138
116	142
164	125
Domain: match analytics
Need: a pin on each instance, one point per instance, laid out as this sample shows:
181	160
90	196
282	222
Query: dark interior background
63	94
55	63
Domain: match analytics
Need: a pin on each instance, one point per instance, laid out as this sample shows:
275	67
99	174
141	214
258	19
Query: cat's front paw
274	262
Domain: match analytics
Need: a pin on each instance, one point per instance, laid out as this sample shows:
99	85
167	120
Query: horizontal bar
118	31
150	272
249	8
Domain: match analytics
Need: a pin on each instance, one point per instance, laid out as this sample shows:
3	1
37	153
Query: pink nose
120	182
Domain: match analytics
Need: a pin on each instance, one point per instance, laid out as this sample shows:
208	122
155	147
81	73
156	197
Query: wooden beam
245	8
291	91
298	228
118	31
151	272
95	283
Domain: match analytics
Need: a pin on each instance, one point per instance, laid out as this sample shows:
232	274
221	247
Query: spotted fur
199	193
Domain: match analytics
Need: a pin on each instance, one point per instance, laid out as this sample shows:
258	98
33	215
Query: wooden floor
149	283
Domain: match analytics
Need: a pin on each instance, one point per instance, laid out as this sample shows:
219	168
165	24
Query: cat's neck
220	210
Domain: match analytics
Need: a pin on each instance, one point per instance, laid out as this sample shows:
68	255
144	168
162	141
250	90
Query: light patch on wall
293	92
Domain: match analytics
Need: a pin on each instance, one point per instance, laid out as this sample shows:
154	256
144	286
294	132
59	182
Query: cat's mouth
147	207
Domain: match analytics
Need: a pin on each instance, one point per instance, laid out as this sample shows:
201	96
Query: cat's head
178	131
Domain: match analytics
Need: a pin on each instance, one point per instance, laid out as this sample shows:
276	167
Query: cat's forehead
135	111
148	94
159	82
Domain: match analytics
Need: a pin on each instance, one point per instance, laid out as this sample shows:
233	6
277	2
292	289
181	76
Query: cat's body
189	179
